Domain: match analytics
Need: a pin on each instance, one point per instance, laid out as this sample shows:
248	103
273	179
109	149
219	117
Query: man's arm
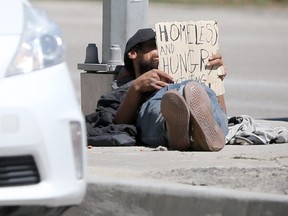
217	60
127	111
147	82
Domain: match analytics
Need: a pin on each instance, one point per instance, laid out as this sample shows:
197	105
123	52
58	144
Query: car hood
11	17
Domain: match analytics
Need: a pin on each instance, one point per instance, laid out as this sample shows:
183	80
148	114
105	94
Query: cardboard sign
184	49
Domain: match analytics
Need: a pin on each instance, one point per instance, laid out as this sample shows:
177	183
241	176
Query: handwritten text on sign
184	49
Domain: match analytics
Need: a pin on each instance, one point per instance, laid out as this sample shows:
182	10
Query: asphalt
238	180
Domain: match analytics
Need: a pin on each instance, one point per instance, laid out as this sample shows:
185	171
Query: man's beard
146	66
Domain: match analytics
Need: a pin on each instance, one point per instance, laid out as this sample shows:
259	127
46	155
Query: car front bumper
36	114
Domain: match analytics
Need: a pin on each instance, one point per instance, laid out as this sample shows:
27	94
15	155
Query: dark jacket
100	128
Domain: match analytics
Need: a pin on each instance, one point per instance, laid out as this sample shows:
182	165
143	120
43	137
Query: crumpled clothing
244	130
99	125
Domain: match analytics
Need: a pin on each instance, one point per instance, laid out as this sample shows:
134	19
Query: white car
42	129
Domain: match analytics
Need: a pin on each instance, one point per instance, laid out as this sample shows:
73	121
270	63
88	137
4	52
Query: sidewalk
238	180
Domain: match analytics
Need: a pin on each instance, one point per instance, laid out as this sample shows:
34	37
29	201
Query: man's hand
217	60
149	81
152	80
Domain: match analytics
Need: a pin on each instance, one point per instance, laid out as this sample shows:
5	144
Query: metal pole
121	19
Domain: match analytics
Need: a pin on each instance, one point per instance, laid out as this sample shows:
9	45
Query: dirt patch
267	180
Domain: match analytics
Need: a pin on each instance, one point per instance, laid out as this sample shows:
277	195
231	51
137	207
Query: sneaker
176	114
206	133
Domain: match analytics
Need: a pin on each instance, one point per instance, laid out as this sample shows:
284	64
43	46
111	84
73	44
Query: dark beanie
139	37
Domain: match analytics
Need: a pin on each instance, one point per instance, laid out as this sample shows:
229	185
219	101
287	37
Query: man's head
143	41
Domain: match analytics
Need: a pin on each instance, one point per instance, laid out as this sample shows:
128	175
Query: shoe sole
206	133
176	114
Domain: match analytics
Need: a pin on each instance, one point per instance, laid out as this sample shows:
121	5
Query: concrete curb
236	181
107	196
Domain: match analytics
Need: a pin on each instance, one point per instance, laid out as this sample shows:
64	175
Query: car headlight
41	44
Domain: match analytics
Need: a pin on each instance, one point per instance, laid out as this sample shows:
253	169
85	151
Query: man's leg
205	131
177	117
152	125
192	123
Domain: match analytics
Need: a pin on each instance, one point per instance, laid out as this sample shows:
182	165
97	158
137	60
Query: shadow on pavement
277	119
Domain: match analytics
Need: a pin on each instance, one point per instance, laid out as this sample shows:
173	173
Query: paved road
253	42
